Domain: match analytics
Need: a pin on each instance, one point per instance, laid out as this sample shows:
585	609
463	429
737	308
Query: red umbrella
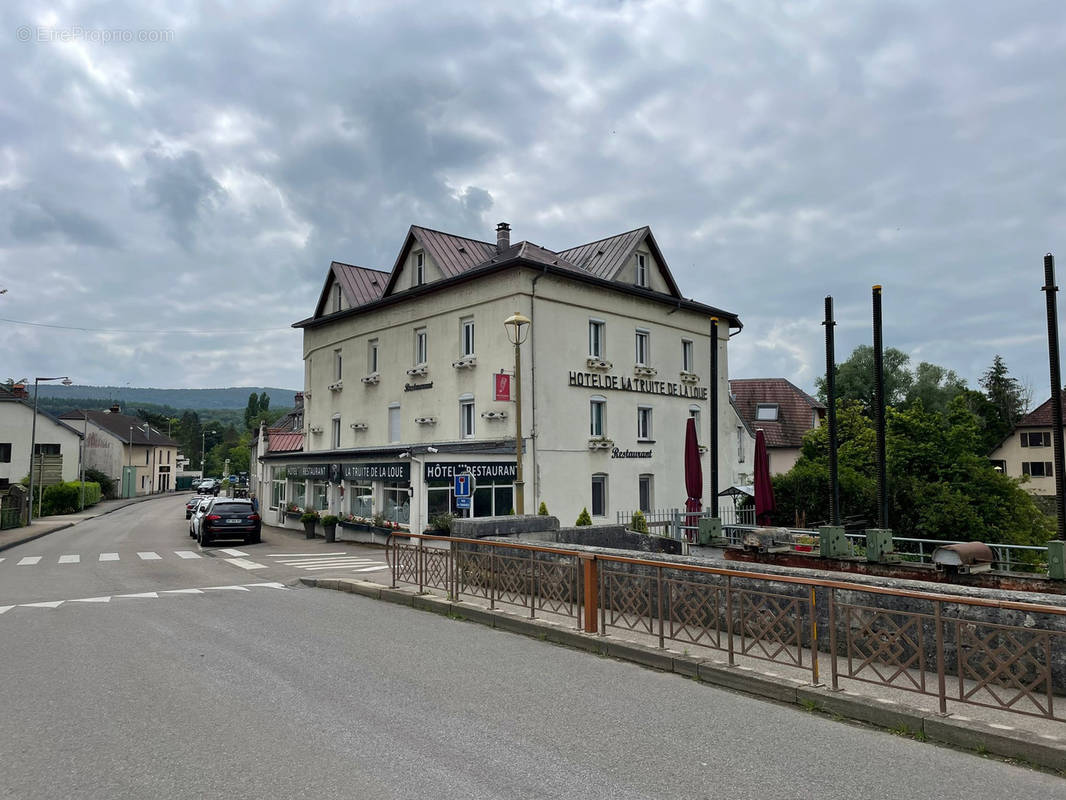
693	475
764	489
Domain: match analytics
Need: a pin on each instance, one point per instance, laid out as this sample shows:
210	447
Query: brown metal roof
605	257
453	254
795	408
360	285
284	441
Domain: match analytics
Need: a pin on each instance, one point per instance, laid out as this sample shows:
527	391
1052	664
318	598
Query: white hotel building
401	376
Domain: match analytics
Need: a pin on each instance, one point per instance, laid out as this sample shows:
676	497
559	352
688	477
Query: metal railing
961	650
677	523
1008	557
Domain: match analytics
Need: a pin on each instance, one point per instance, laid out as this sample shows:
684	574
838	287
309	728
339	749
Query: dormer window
336	297
642	270
420	268
766	412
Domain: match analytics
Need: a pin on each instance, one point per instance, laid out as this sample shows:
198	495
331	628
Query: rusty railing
1005	655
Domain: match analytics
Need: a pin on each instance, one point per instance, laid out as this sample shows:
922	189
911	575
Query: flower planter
330	531
309	530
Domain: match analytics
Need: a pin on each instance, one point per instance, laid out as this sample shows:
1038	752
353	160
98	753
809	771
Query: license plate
234	521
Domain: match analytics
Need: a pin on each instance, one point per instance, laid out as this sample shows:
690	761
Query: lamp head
517	326
404	454
67	381
431	449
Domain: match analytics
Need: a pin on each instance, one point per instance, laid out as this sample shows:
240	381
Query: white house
408	382
57	443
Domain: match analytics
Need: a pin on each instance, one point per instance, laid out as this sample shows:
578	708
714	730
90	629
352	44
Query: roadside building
409	382
140	459
56	448
783	411
1026	452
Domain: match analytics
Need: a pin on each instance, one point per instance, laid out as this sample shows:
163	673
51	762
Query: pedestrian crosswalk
80	558
340	561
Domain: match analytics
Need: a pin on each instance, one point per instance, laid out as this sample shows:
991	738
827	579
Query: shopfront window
318	494
298	488
493	499
397	503
439	499
362	500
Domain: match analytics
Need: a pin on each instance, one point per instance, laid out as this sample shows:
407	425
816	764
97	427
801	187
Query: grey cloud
44	221
180	187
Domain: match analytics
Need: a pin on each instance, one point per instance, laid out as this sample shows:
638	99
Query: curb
961	732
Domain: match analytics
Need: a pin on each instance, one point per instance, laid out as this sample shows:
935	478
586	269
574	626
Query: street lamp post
203	455
129	462
33	441
517	327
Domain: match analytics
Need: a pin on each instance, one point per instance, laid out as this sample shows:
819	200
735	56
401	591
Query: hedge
65	498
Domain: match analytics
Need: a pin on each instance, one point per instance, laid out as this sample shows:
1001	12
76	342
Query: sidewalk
46	525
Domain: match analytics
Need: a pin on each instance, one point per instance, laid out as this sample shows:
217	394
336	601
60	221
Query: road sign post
464	490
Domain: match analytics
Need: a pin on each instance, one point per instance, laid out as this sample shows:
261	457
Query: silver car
198	514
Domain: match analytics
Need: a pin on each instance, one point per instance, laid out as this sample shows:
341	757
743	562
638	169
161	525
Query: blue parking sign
463	485
462	502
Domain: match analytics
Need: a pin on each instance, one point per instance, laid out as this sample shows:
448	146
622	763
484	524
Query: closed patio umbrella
764	489
693	475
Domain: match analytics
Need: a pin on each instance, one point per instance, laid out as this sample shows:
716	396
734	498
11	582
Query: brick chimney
298	401
115	409
503	237
19	390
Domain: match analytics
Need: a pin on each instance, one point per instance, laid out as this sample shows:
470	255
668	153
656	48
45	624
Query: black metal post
1049	290
713	500
831	408
879	411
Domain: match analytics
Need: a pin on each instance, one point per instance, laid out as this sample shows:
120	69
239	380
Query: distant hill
232	397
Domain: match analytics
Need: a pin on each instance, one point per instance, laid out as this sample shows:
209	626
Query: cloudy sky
174	183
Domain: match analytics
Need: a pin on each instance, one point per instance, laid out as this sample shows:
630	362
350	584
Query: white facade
609	378
16	425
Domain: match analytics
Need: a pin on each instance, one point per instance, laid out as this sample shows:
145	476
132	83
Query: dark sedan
230	518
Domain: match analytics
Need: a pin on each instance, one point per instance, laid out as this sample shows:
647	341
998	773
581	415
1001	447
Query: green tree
934	387
584	518
264	403
1005	393
940	483
251	409
855	377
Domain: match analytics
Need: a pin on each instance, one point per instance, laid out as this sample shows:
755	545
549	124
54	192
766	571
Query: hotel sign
386	471
446	471
624	383
308	471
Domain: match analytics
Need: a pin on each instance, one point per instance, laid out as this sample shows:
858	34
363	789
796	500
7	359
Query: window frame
395	424
338	364
421	347
600	478
420	267
337	296
335	434
372	356
646	481
466	336
597	337
767	407
1047	470
644	424
597	415
642	347
5	452
642	270
687	360
467	429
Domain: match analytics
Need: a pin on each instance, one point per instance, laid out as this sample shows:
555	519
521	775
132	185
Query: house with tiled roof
56	446
1026	452
409	380
783	411
140	459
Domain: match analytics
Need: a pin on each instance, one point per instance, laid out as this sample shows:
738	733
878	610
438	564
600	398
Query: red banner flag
503	386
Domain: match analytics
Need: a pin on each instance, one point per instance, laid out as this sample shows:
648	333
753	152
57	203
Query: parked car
209	486
191	504
202	503
229	518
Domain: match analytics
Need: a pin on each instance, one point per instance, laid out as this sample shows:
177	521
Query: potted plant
292	509
309	519
329	525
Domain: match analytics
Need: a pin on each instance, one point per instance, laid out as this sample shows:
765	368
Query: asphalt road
219	681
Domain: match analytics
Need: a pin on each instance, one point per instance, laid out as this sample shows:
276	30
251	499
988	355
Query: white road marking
304	555
5	608
182	591
350	567
150	556
269	585
234	588
109	556
29	561
231	552
244	563
71	559
313	562
1	559
153	595
371	569
92	600
188	554
49	604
